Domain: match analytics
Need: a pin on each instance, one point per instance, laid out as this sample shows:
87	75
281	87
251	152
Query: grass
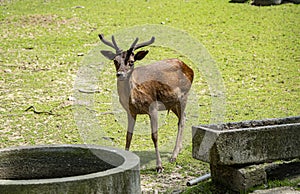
208	187
44	42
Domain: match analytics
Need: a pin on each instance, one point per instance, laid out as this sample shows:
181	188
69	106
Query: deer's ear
108	54
140	55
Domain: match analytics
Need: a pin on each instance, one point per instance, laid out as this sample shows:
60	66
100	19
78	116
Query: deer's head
124	60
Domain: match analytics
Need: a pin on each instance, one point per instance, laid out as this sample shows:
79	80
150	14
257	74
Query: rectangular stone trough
248	142
246	154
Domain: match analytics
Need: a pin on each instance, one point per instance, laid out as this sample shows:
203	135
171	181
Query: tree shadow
239	1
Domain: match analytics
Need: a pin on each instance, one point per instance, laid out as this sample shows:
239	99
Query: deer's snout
121	74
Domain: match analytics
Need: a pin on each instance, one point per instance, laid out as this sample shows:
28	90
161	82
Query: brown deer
163	85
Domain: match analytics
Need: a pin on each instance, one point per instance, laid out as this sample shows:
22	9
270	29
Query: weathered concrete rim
131	162
258	124
218	132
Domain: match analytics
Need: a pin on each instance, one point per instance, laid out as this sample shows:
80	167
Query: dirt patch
32	26
279	190
39	20
174	182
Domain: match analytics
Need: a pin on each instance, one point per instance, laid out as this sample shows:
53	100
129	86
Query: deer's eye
130	63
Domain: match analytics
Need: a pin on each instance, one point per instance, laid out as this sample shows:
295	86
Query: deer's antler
144	43
112	45
133	47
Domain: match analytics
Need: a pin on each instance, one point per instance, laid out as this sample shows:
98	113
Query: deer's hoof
172	160
159	169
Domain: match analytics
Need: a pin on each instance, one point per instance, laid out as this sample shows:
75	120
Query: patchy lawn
44	42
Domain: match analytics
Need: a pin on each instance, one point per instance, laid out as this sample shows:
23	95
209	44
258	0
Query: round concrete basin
68	169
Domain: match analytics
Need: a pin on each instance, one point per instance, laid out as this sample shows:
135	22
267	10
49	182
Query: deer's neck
123	88
124	92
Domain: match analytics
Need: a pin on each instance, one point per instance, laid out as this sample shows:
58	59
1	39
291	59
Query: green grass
208	187
256	50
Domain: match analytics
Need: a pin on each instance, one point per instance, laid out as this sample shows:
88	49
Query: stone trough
241	154
68	169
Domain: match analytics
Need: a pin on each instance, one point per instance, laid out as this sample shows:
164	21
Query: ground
44	44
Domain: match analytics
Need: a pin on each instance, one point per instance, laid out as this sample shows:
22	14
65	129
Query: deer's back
173	72
166	81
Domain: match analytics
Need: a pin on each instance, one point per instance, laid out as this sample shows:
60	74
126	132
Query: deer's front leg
154	126
179	111
130	128
178	144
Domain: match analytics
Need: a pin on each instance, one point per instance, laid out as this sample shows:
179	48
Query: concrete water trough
68	169
238	152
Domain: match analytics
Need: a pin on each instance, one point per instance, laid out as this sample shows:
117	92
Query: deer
162	85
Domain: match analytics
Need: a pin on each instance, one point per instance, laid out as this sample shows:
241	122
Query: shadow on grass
148	158
238	1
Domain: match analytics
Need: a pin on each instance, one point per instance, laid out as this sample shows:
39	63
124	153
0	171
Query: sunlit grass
43	42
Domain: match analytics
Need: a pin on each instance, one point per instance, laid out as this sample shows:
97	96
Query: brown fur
157	82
